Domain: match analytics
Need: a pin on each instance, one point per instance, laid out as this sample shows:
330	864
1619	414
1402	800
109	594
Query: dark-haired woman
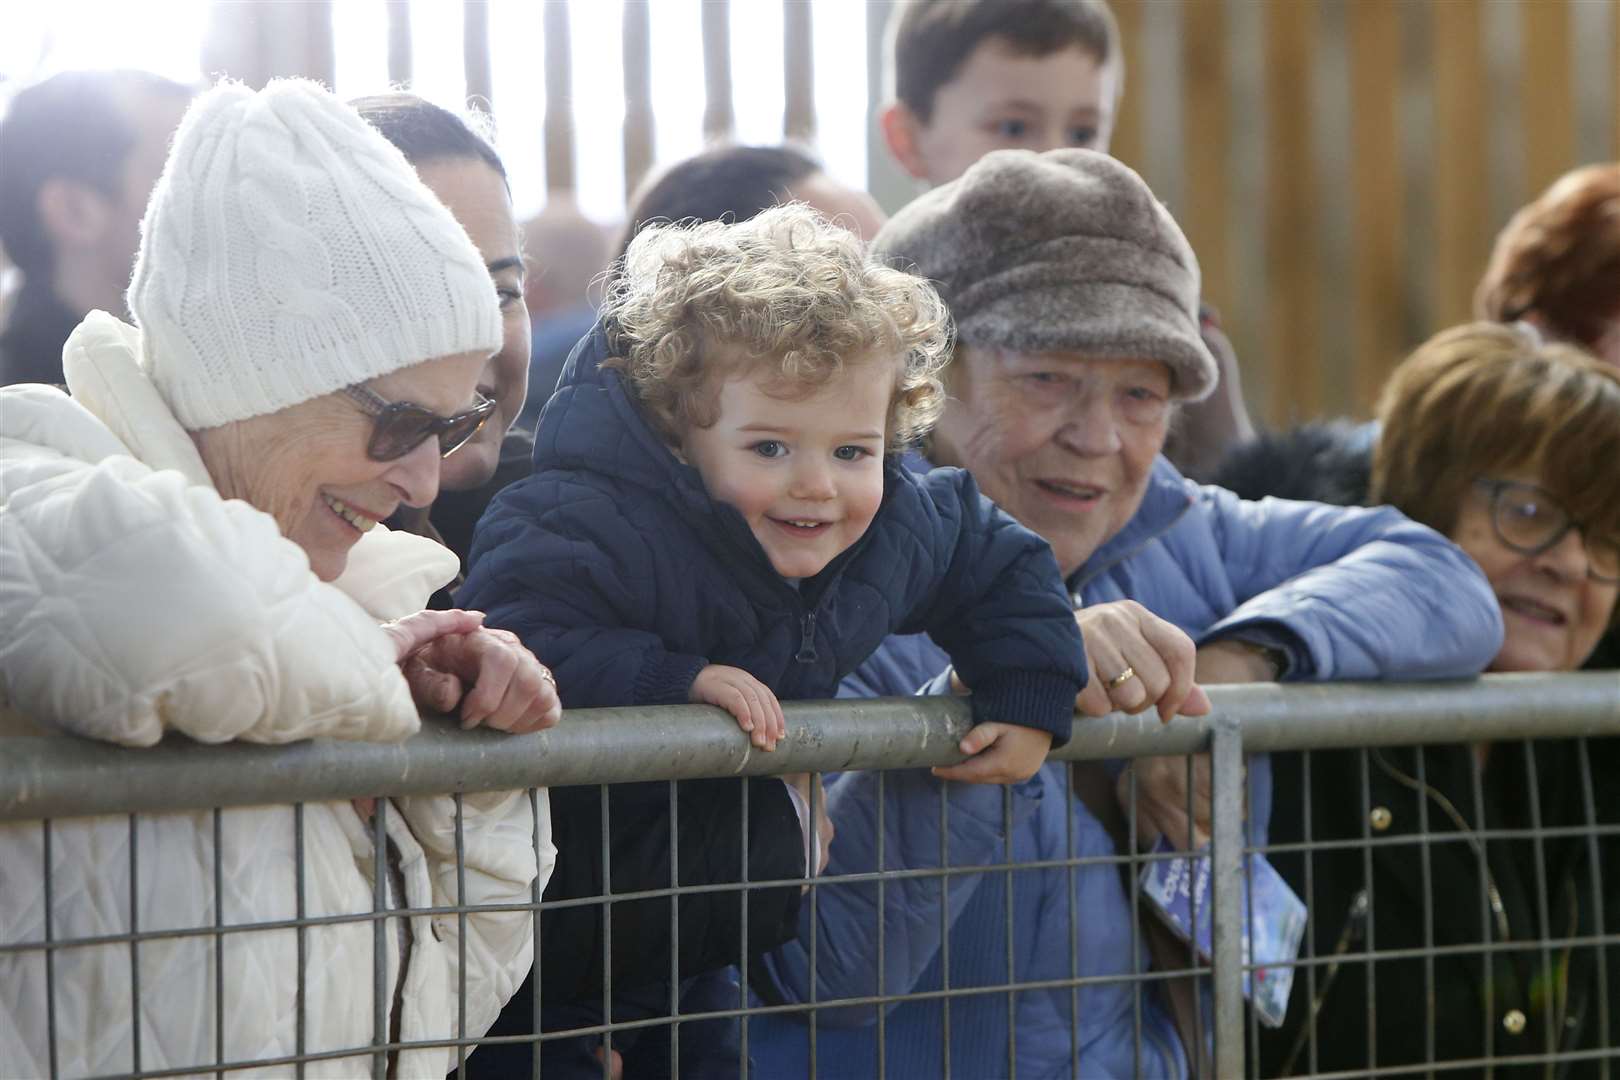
460	166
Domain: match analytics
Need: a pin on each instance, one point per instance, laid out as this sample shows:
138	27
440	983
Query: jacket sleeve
136	603
563	568
501	864
1352	593
989	592
846	915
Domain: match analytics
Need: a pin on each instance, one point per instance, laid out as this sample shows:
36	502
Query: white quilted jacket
134	601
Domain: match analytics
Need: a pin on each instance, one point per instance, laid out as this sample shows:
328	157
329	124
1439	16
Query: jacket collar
592	401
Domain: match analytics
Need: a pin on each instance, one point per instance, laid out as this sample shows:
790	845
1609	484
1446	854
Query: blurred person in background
967	77
1490	437
566	252
190	543
79	153
1557	264
461	167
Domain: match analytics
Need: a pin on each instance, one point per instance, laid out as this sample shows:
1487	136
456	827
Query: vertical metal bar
1590	804
1372	913
742	982
475	51
1310	907
379	939
134	947
299	1000
399	42
1226	895
50	953
815	938
944	929
607	924
1549	999
882	921
1485	906
1194	961
675	934
1248	915
798	72
1070	873
534	965
1136	939
219	948
461	938
1012	971
1426	869
718	116
559	120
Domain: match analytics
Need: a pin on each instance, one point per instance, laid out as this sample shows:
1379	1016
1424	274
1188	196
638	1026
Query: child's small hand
745	697
999	754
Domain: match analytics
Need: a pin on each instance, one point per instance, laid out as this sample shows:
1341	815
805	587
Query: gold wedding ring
1121	679
545	673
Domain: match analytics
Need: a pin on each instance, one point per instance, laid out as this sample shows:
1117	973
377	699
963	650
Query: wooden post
1377	340
798	72
1546	75
1460	198
719	119
1207	123
1293	345
638	110
1127	144
559	122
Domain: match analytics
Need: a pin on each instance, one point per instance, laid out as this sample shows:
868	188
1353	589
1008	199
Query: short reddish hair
1558	260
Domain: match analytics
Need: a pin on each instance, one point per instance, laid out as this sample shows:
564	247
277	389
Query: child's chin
799	568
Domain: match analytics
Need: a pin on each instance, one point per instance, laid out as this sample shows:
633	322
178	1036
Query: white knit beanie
289	250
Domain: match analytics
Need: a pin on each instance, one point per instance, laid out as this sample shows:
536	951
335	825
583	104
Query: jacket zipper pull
807	641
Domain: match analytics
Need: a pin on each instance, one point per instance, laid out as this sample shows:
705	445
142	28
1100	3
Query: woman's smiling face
307	465
1062	442
1553	611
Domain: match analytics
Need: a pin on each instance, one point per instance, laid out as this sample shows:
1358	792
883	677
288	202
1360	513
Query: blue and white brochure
1276	916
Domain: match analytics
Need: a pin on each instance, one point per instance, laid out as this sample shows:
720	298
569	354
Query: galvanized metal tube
1226	895
62	777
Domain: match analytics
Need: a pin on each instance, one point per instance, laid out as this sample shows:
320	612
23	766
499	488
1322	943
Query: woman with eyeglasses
190	544
1510	448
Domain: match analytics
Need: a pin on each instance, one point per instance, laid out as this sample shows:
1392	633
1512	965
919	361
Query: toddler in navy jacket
717	511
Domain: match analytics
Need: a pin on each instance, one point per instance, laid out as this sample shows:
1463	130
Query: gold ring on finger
545	673
1121	679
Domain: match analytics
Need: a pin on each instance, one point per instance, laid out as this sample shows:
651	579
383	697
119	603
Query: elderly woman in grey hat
1075	296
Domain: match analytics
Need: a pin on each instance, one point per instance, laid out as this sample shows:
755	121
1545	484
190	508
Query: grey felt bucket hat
1066	250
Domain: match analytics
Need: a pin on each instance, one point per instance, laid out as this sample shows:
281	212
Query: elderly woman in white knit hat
1075	297
189	543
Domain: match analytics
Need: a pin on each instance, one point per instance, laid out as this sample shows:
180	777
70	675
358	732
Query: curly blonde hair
692	304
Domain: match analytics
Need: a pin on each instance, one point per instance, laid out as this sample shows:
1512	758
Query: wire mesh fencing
332	909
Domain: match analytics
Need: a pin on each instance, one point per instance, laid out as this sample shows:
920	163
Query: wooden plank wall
1413	162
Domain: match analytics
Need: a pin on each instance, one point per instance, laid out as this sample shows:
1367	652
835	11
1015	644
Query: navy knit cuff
1032	699
667	680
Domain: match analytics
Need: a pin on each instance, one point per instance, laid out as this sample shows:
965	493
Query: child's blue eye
1012	129
768	448
1082	137
851	453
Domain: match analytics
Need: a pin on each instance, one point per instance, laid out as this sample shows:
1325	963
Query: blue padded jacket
616	567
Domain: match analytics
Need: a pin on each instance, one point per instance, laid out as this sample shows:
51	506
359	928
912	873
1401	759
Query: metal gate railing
48	784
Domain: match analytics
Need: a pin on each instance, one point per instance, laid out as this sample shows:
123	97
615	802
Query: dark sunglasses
1530	520
398	427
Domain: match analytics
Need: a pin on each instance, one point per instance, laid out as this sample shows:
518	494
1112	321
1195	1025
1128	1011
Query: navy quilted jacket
615	566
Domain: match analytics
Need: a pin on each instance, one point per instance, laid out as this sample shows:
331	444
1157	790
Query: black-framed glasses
398	427
1530	519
